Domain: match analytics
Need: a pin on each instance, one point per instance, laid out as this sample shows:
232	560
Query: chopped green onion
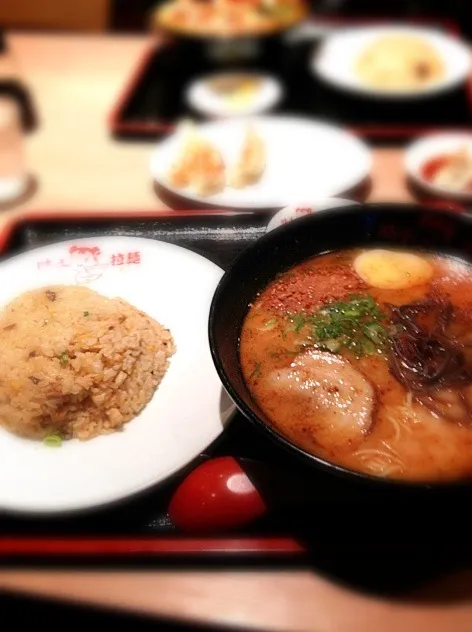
356	324
298	321
368	347
53	441
86	313
281	352
270	324
376	333
352	324
64	358
257	370
352	313
332	345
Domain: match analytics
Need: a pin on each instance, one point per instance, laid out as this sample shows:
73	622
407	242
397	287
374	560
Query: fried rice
77	364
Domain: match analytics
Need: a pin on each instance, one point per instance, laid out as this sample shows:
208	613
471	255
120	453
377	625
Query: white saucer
203	98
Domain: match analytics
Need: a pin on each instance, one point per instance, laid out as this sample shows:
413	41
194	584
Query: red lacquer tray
220	236
152	100
326	532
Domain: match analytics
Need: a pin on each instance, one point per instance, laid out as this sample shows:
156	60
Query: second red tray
152	101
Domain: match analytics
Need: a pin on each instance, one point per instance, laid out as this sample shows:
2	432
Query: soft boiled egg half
392	270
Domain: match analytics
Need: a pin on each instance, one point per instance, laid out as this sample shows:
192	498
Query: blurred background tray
152	101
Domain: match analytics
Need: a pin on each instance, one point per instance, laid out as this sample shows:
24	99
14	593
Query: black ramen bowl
387	225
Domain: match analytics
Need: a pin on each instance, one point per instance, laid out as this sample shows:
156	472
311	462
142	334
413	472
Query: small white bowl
296	211
431	146
335	60
204	99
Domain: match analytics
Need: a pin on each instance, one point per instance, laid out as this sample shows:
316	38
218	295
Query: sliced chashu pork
328	397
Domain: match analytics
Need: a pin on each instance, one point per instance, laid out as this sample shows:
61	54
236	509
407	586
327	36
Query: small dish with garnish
234	94
442	164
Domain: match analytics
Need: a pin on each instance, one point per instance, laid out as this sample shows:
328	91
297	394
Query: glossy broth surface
365	419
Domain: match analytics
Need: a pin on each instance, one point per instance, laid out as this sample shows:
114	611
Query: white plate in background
306	160
188	410
297	211
431	146
203	98
337	56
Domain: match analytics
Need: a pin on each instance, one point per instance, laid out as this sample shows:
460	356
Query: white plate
207	101
306	160
294	212
336	58
188	411
431	146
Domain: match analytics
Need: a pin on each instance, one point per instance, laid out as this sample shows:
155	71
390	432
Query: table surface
75	81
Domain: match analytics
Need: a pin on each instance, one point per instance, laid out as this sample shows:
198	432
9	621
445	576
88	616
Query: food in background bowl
450	170
251	161
234	93
228	18
393	62
236	90
441	164
76	364
400	62
199	165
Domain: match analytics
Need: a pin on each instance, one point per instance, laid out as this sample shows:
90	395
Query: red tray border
117	126
132	547
156	547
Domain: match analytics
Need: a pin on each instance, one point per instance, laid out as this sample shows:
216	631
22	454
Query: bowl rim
308	458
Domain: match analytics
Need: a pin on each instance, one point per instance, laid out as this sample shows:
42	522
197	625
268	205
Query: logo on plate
89	263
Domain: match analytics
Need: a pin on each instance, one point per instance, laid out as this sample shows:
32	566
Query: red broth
382	428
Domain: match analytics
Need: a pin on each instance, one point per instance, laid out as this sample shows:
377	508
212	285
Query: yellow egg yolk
390	270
